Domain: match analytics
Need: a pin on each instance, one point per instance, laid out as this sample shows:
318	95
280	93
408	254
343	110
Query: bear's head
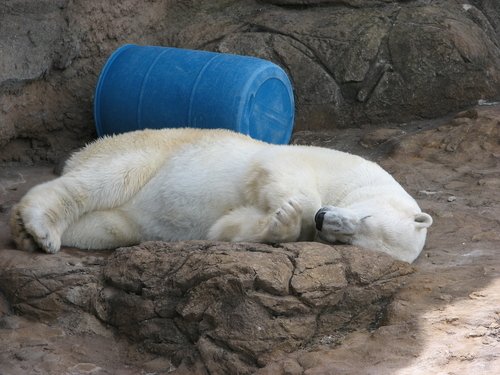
393	225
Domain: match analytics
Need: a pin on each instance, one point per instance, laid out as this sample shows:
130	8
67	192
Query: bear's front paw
285	223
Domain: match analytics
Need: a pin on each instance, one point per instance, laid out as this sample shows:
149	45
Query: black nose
320	215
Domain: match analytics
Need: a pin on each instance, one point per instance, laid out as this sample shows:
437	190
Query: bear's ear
423	220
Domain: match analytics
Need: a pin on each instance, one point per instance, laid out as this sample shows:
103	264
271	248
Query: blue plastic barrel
157	87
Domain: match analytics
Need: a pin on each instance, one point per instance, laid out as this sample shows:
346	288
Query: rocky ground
325	310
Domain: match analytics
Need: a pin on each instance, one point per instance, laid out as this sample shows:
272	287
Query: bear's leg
107	229
255	225
44	213
97	182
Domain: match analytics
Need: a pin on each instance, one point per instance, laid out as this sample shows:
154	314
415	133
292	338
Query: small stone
476	295
427	192
85	368
446	297
452	198
478	332
159	365
9	322
292	367
470	113
456	185
460	121
380	136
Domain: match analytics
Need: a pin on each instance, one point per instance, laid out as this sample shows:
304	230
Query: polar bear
186	184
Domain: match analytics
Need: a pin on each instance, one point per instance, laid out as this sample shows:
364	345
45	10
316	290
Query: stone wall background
352	62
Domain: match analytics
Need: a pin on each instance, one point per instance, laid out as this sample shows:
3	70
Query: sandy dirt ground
445	320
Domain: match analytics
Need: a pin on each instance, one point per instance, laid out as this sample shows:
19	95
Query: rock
229	306
381	136
85	368
468	114
352	62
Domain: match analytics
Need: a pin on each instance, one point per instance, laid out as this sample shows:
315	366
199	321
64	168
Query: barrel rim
100	83
270	71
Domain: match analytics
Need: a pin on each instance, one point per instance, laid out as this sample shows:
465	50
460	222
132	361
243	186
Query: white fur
181	184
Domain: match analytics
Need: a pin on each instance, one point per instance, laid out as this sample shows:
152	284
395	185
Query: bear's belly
189	194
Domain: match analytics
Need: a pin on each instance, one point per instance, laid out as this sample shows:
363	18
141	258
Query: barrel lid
269	113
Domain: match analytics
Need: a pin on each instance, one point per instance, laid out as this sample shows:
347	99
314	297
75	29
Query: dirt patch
445	319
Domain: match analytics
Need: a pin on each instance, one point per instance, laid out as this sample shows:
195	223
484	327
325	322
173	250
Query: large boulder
230	307
352	62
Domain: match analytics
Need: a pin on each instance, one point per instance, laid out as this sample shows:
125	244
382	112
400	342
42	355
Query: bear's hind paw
21	237
28	237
